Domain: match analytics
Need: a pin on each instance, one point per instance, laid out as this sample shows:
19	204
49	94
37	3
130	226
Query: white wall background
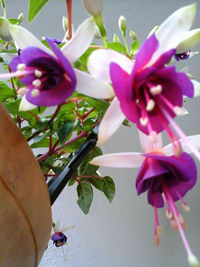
120	234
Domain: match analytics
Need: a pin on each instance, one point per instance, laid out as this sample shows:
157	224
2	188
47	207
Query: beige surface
25	213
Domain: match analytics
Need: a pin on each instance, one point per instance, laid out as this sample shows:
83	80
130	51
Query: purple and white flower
165	176
49	75
148	92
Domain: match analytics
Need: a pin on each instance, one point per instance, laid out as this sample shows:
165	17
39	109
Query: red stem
69	14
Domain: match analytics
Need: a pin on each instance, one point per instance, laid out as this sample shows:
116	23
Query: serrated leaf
117	47
34	7
64	131
109	188
85	196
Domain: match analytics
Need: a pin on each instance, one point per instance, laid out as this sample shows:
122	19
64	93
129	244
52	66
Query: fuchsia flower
148	92
49	75
166	178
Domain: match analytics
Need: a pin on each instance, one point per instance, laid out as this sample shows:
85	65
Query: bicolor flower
148	92
58	237
48	74
165	176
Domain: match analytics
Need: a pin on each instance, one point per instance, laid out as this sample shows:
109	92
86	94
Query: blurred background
120	234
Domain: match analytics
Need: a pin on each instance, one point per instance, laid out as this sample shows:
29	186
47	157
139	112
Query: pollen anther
35	92
144	121
156	90
150	105
21	66
38	73
36	83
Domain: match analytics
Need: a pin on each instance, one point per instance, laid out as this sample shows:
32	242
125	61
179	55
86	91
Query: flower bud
4	30
116	38
65	23
93	7
122	22
133	35
191	39
21	17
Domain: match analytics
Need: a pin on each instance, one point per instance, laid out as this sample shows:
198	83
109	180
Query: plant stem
69	15
48	154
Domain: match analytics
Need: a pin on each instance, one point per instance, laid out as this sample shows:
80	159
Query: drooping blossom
58	237
48	74
148	92
165	176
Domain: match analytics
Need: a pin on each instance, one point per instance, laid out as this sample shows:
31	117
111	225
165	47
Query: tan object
25	211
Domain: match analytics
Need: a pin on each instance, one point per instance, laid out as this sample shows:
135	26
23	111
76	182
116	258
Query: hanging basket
25	210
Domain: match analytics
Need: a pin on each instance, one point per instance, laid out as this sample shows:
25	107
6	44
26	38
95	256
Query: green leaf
134	47
99	105
109	188
14	21
5	92
87	169
85	196
64	131
117	47
13	107
34	7
98	183
71	182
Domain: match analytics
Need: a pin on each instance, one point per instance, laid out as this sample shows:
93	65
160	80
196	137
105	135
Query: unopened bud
191	39
65	23
116	38
133	35
122	22
93	7
4	30
21	17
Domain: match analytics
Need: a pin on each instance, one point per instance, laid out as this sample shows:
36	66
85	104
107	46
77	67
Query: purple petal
65	63
155	199
53	96
120	81
164	58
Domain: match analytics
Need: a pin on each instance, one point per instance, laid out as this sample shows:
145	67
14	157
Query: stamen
144	121
182	135
35	92
67	77
193	261
168	214
36	83
191	258
21	66
153	136
38	73
150	105
178	111
185	207
156	90
22	91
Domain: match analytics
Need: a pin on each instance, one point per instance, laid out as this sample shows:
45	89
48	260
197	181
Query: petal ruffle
100	60
80	41
88	85
111	121
119	160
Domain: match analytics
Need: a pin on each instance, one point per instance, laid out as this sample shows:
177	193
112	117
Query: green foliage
85	196
34	7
